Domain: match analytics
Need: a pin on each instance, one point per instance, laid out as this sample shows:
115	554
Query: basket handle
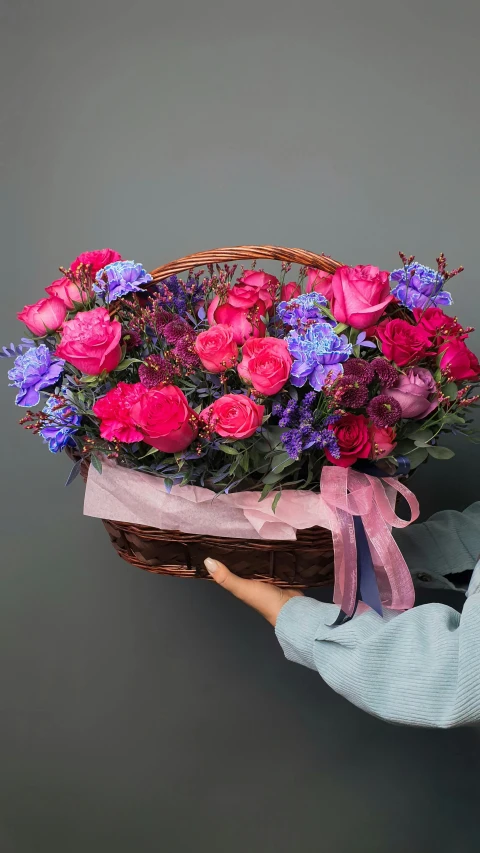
242	253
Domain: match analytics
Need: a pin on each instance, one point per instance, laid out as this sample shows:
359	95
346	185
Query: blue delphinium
419	287
120	278
62	424
34	370
303	310
317	354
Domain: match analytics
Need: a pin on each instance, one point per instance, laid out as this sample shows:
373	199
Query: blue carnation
318	354
34	370
302	310
120	278
420	287
62	424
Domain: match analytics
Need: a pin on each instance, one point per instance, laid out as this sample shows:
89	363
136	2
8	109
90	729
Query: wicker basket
307	562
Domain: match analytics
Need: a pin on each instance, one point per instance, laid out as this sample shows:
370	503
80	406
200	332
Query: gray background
142	713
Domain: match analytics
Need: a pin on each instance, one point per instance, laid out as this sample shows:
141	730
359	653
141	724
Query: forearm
418	668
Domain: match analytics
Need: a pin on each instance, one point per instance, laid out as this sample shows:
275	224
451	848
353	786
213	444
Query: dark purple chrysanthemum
384	411
175	330
385	371
186	352
351	393
162	317
132	339
156	369
361	370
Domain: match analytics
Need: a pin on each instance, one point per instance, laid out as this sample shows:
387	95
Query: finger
263	597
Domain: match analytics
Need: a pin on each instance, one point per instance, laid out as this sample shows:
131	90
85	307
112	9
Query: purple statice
302	311
287	415
293	442
33	371
62	423
302	433
325	439
384	411
120	278
417	286
317	354
172	293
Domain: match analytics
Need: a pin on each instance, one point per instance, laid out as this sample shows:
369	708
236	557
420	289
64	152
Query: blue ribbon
367	586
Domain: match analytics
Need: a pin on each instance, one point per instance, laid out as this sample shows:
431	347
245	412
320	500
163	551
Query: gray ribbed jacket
421	667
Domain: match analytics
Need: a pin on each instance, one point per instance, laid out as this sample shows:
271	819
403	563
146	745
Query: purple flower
303	310
317	354
357	368
120	278
351	393
62	424
385	371
34	370
384	410
419	287
154	370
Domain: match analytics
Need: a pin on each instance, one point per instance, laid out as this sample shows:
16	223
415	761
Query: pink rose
438	325
244	322
360	295
320	282
401	342
46	315
68	292
115	413
97	260
416	392
290	291
457	362
233	416
266	364
165	419
266	285
217	349
91	342
382	440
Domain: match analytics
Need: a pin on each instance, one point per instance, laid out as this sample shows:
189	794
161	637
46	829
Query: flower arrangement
236	380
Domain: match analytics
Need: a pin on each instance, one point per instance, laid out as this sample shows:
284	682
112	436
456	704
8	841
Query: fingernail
211	565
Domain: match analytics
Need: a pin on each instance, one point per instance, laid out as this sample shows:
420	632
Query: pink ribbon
347	493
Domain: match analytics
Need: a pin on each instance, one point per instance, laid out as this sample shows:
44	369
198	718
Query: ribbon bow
369	566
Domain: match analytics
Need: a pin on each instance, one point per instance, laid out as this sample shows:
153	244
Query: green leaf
272	478
441	452
265	492
281	461
276	500
126	363
417	457
340	327
438	375
421	435
96	463
245	462
229	450
450	390
452	418
150	453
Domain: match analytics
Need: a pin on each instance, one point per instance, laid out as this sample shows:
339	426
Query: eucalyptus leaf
439	452
417	457
150	453
96	462
228	449
276	500
422	435
450	390
126	363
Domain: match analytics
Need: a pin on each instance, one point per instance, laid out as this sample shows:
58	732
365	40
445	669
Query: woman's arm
421	667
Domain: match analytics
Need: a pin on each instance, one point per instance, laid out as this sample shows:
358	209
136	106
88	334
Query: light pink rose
382	440
266	364
67	291
46	315
91	342
416	392
217	349
320	282
360	295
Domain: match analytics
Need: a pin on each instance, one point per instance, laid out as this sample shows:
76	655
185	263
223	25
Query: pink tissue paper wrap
120	494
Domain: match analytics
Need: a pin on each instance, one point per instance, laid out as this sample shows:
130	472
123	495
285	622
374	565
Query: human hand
264	597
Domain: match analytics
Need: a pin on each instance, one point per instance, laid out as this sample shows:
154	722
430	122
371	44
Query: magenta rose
245	321
115	413
360	295
266	364
91	342
165	419
69	292
96	261
416	392
217	349
290	291
46	315
401	342
458	362
319	281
